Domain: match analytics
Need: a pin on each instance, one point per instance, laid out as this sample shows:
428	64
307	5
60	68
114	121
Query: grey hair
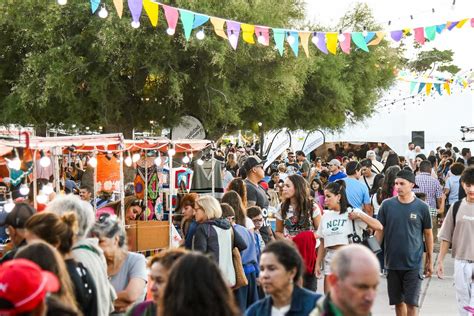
341	263
72	203
109	226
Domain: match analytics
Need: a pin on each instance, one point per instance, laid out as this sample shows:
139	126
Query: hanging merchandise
232	31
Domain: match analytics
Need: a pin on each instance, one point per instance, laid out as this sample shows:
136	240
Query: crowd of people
261	248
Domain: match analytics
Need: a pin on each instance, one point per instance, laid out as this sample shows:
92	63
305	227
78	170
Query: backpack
456	206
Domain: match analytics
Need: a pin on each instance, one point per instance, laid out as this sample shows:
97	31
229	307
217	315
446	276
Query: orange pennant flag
379	37
304	36
247	33
331	42
219	26
428	88
119	7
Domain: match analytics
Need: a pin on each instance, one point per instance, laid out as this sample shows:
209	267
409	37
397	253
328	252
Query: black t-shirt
292	168
85	290
403	226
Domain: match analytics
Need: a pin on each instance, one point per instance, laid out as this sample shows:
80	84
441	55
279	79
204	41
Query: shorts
404	286
327	260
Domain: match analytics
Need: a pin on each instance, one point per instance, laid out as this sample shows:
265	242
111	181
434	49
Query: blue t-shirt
337	176
453	185
403	226
357	193
249	255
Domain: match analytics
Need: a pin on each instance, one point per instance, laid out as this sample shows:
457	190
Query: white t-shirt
290	222
335	227
248	223
280	311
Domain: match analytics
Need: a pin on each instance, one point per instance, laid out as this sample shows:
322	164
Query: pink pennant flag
472	22
233	32
263	35
420	35
172	16
346	43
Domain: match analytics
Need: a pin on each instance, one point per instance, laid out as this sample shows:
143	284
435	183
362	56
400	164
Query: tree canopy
61	66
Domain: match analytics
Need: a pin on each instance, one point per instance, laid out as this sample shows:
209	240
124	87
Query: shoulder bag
240	278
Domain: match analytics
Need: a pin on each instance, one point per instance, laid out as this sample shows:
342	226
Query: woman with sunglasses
336	226
126	270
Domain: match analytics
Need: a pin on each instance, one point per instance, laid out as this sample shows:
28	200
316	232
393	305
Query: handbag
240	278
367	240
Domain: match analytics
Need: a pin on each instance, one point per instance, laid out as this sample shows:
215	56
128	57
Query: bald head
353	258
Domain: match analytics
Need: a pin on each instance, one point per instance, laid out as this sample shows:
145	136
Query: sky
460	41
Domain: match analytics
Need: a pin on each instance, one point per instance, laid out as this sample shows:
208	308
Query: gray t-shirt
256	193
460	235
133	267
403	226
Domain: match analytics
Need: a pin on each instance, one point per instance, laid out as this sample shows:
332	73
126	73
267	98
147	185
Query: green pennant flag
430	32
187	18
359	40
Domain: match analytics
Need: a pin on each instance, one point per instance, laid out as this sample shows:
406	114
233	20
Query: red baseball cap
24	285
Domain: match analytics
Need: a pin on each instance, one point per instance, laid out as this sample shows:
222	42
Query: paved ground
437	296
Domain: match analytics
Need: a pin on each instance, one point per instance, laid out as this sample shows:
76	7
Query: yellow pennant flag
331	41
406	31
247	33
465	84
304	36
219	26
447	88
151	9
119	7
379	37
428	88
461	23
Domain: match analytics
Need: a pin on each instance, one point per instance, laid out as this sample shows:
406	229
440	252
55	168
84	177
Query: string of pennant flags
326	42
428	84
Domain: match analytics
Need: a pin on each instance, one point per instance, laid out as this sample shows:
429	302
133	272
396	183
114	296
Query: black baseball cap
19	215
407	175
253	161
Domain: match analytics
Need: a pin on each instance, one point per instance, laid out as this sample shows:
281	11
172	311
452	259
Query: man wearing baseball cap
15	223
335	169
406	222
24	288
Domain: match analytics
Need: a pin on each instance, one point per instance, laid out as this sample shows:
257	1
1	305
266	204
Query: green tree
429	61
61	66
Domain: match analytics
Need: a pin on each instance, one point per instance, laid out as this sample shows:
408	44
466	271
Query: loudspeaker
418	138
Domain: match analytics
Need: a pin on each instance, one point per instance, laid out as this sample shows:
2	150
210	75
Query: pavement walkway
438	297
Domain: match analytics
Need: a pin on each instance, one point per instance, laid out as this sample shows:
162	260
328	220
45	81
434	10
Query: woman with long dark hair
209	295
238	185
337	226
388	186
392	160
297	219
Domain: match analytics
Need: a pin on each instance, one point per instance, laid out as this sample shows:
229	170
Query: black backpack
456	206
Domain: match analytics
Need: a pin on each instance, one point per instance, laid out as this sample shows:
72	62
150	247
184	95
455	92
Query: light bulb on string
158	160
24	189
62	2
128	161
290	39
14	163
93	162
45	161
171	152
135	24
41	198
185	159
8	207
365	33
315	39
341	37
233	38
170	31
48	189
103	13
191	155
200	162
135	157
261	39
200	35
